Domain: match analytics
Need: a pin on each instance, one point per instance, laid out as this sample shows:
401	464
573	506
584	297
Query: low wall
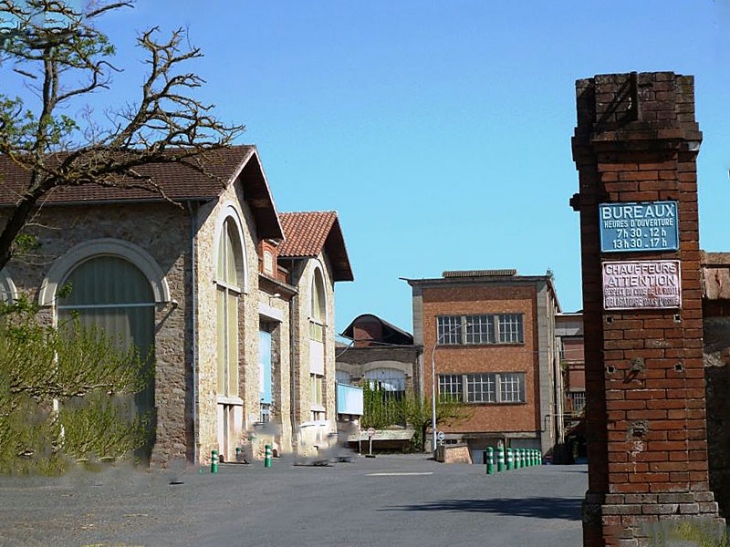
453	453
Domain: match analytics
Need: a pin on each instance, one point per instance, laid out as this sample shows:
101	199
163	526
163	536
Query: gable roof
216	169
307	234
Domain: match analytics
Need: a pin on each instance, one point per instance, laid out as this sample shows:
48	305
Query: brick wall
636	140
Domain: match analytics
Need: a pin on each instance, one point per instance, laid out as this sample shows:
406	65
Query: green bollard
500	458
490	460
535	460
523	457
267	455
214	461
510	460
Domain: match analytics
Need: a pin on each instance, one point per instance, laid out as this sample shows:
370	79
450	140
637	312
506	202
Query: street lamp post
439	338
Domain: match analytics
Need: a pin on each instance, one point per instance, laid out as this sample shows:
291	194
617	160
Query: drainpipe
194	313
293	362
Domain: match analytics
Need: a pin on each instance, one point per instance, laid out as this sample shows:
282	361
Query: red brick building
490	336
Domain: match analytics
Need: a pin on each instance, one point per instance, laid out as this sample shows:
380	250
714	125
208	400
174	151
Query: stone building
490	336
384	355
202	274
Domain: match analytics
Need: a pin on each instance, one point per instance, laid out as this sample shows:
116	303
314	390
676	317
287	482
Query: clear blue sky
440	130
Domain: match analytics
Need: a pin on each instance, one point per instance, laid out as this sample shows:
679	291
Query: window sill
226	400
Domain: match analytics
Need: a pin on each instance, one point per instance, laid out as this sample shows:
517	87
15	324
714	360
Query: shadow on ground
546	508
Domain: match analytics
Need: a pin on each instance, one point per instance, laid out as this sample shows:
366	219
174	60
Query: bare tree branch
61	54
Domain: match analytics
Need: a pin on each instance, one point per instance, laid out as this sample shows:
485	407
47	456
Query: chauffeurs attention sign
649	284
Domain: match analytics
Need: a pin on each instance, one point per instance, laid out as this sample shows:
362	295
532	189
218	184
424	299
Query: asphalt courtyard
383	501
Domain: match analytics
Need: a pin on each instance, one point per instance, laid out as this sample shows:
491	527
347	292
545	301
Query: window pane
107	280
228	251
114	296
512	388
481	388
265	366
222	341
510	328
480	329
448	330
450	388
232	336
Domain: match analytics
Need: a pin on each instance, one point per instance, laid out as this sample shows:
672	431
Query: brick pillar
636	143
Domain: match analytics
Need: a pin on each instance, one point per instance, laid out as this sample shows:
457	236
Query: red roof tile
307	234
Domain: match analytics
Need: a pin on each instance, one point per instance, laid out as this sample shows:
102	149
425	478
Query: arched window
391	382
113	295
318	307
228	284
8	292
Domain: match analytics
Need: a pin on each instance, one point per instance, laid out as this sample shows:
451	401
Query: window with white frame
317	394
502	328
481	388
512	388
449	330
510	328
480	329
227	295
499	387
450	387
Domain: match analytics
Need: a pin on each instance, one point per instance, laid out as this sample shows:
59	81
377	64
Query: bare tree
62	57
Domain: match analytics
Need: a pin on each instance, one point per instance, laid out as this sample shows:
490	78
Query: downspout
194	313
292	365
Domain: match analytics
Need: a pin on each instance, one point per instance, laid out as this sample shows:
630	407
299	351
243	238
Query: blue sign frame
632	227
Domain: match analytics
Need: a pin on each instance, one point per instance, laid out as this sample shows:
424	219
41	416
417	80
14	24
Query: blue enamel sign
638	227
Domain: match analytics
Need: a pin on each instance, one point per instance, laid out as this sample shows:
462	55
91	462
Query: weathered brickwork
716	310
537	421
637	140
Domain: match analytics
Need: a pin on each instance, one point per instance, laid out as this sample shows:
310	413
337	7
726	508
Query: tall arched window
318	308
113	295
317	328
228	292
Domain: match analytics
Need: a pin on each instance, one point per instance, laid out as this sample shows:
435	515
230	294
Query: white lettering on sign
639	227
642	285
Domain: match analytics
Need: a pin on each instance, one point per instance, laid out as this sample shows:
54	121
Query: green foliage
698	532
65	394
379	410
419	414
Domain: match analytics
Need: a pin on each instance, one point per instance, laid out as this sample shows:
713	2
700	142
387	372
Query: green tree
59	53
65	394
380	410
419	414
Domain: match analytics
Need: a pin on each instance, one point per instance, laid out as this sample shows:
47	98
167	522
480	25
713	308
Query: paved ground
370	502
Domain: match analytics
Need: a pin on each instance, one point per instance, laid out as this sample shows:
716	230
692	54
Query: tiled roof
307	234
203	179
176	180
